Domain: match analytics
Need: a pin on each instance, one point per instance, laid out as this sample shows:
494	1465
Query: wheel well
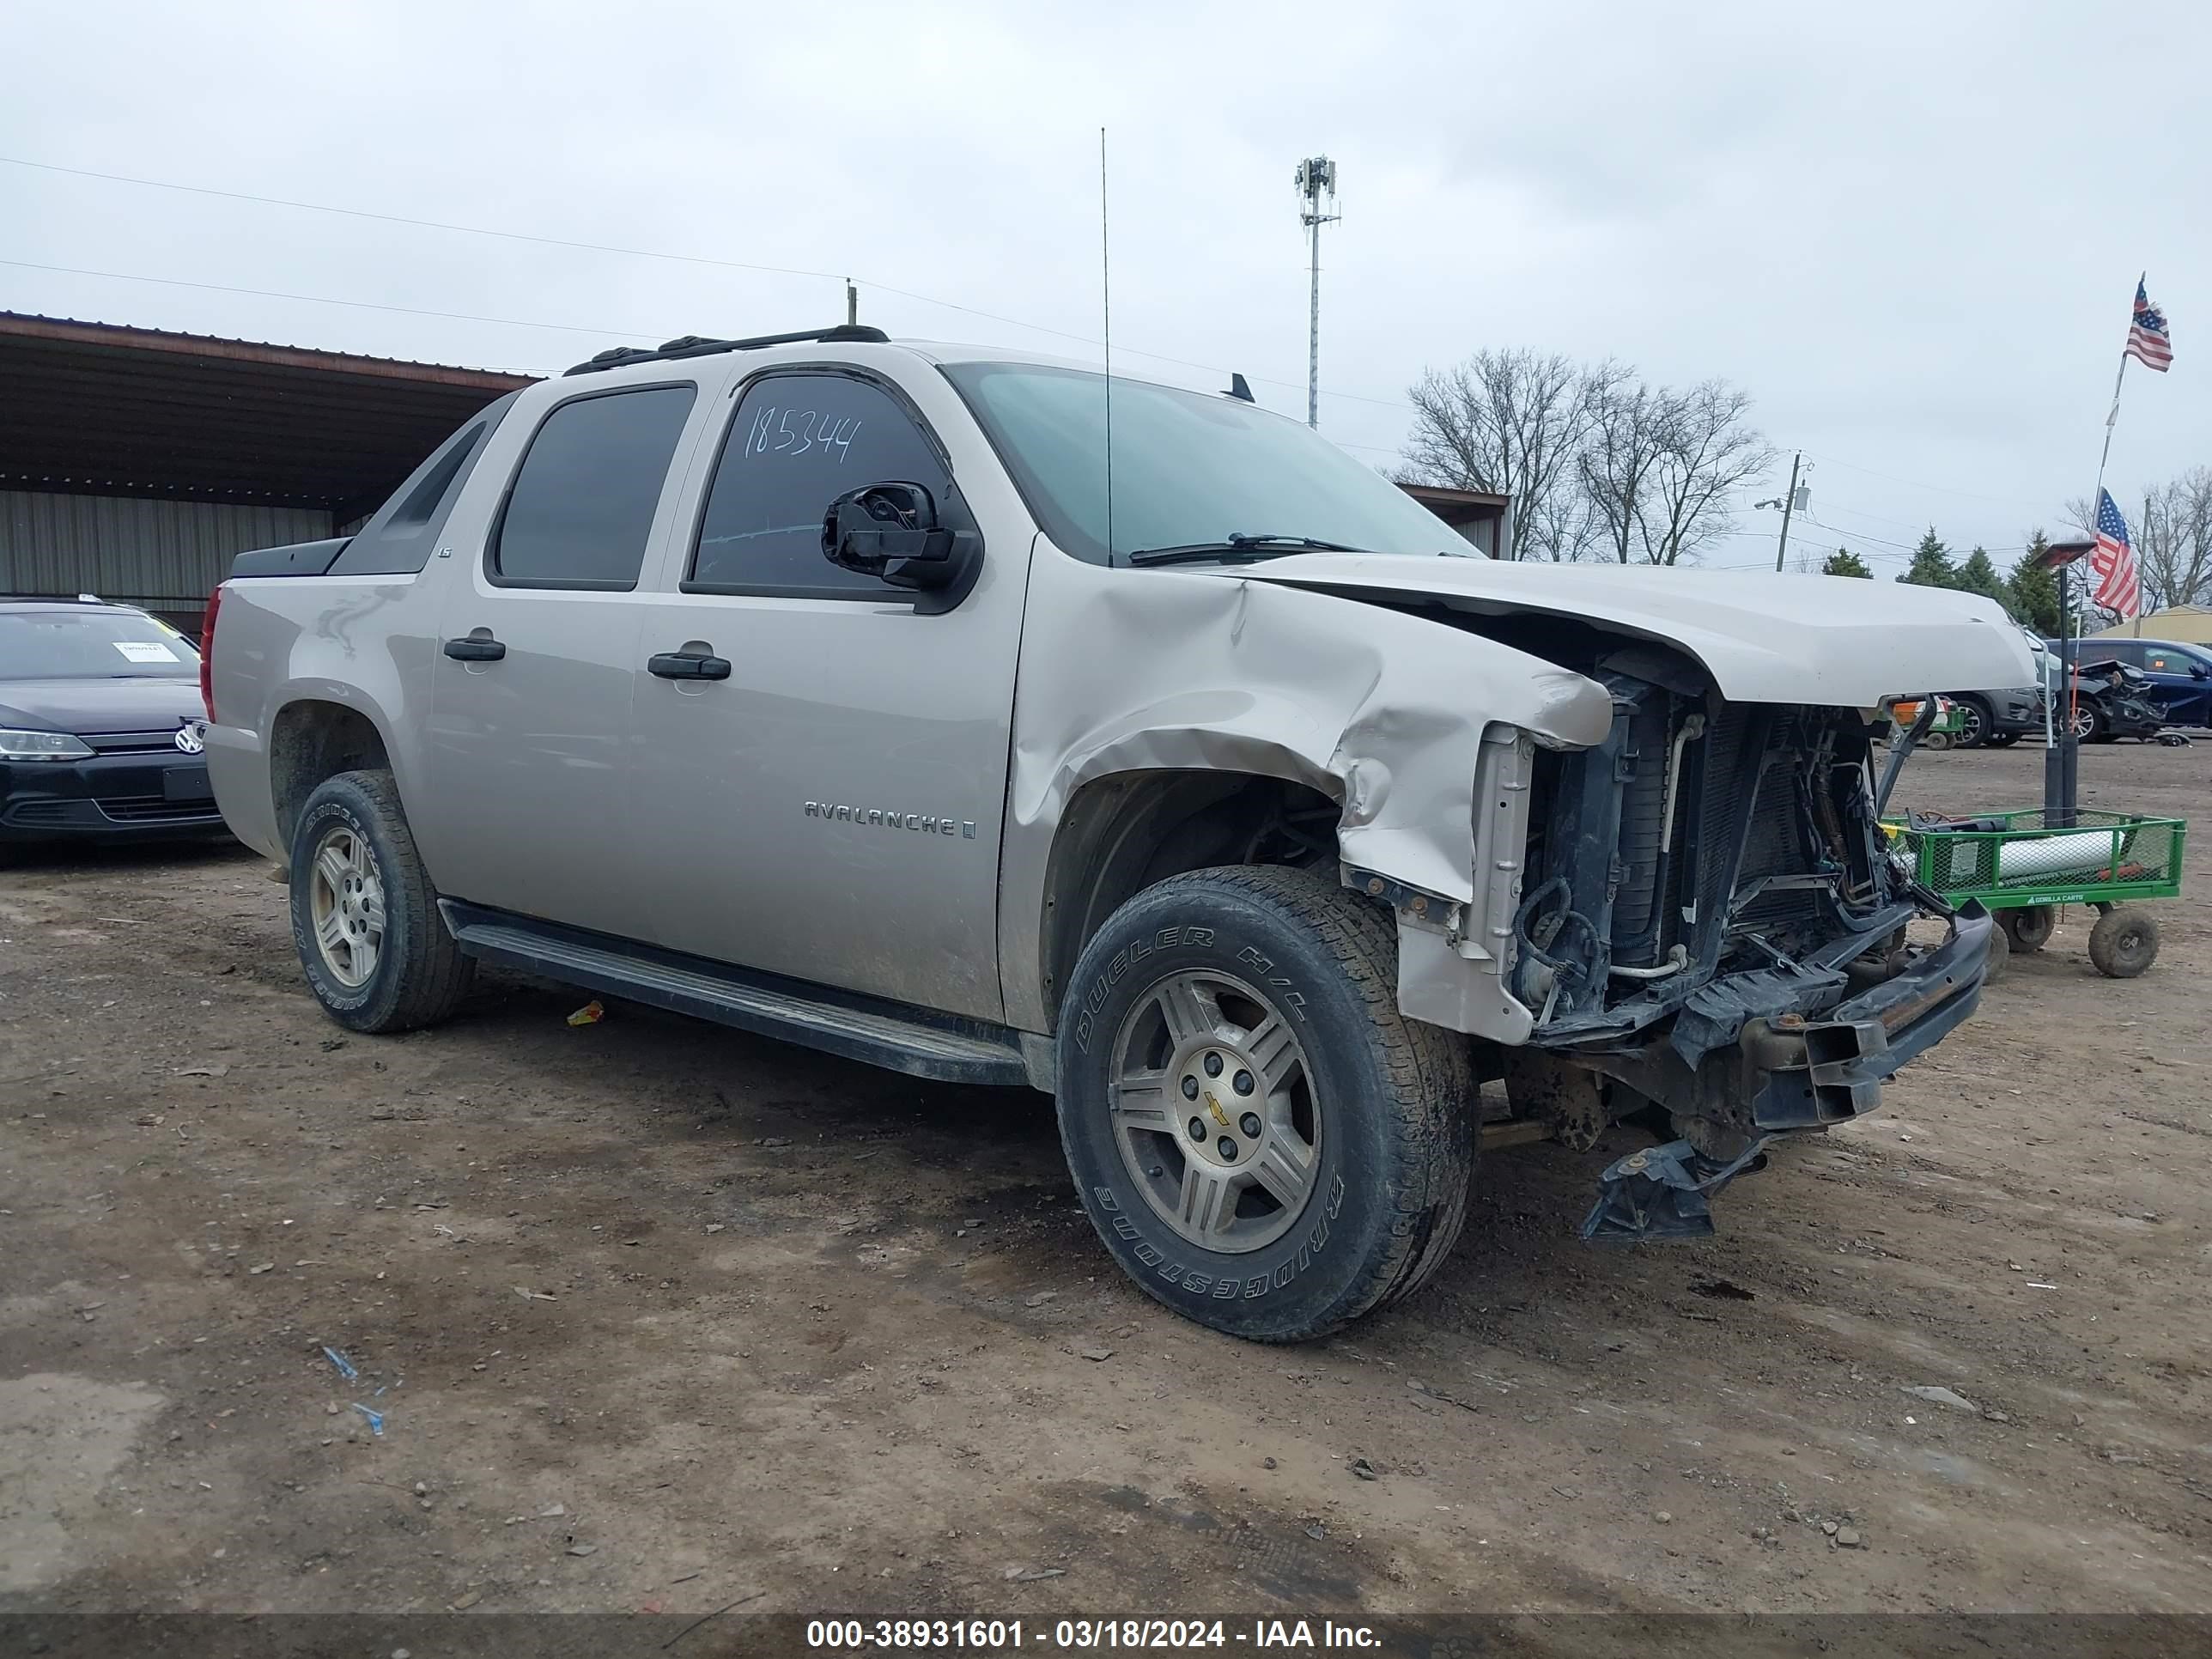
312	741
1120	835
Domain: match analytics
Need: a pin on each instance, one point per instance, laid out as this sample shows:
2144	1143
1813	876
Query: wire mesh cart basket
2023	868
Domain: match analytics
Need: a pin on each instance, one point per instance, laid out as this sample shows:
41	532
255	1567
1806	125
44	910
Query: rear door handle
478	646
696	661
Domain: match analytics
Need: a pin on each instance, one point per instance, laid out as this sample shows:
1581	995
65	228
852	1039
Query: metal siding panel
166	554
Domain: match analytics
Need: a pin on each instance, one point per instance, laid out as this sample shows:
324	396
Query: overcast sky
1911	232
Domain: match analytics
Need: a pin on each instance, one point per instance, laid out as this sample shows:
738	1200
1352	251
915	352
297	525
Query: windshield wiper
1235	547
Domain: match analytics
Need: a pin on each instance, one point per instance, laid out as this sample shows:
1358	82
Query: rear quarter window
399	538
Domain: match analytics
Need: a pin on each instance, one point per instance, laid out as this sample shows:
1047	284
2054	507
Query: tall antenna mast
1317	182
1106	305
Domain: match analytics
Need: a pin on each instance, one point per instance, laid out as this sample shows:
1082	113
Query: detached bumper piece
1660	1192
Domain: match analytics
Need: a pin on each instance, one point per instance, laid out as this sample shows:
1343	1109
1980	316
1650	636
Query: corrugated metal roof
132	334
99	409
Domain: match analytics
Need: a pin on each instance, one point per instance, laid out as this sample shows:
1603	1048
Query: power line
1856	513
1910	484
322	300
615	248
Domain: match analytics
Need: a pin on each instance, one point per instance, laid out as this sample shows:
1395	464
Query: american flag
2114	560
2150	342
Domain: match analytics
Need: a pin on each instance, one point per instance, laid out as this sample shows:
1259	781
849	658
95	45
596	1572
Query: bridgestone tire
420	974
1395	1152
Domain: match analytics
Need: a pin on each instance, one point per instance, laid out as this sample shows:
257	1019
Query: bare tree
1632	427
1597	463
1708	449
2171	530
1512	423
2174	548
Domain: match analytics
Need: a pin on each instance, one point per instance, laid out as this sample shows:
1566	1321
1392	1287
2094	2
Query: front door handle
696	661
478	646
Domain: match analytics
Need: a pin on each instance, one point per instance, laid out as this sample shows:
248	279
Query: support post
1789	501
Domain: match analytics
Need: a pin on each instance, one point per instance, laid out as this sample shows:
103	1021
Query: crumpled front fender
1149	671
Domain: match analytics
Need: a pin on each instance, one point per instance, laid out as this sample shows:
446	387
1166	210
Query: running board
943	1048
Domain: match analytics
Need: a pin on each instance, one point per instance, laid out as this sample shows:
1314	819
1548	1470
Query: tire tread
1429	1077
434	975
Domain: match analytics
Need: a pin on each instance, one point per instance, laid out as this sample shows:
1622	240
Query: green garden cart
2023	869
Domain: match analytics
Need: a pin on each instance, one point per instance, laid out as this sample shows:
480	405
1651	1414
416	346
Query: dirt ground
657	1315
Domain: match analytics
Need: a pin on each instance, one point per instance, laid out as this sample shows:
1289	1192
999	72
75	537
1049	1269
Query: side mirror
891	531
2198	670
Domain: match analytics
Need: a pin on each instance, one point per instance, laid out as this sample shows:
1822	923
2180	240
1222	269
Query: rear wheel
1263	1142
364	916
1974	722
2029	926
2090	723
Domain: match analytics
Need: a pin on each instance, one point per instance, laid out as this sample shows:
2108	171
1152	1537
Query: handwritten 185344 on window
796	432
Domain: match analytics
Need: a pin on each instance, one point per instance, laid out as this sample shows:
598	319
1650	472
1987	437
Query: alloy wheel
1215	1111
345	901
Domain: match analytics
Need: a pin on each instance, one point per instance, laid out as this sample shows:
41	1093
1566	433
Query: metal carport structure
134	463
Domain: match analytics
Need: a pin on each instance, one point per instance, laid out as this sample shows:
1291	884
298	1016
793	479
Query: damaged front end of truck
1711	929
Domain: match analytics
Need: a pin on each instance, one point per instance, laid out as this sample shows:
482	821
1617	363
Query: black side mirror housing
892	530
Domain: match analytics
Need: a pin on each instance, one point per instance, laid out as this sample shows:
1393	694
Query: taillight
207	652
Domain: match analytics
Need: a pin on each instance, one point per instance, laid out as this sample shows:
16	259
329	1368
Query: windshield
92	645
1188	468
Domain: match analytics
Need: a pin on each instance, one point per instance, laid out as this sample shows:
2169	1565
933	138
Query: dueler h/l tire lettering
364	915
1262	1142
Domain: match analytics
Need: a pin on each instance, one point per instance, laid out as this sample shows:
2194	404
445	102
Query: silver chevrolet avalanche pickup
822	685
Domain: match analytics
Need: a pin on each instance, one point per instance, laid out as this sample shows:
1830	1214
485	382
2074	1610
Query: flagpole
2112	419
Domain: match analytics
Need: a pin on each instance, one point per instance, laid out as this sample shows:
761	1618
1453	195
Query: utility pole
852	303
1788	503
1315	179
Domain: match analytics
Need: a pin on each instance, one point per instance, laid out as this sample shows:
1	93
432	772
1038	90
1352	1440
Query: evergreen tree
1978	576
1845	562
1931	564
2033	595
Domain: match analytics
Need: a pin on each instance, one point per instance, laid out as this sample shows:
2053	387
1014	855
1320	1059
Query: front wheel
1263	1142
2000	956
364	916
2124	942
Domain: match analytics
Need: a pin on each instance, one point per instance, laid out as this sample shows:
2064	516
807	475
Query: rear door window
798	443
581	506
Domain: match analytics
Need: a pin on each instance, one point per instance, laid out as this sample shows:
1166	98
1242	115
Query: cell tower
1316	183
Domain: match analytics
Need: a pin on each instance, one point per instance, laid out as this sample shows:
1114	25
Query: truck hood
1841	641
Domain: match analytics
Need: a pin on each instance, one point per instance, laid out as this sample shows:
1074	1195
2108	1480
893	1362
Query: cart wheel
2029	926
2124	942
2000	955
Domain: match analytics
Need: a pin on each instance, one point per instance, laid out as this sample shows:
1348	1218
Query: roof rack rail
695	345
